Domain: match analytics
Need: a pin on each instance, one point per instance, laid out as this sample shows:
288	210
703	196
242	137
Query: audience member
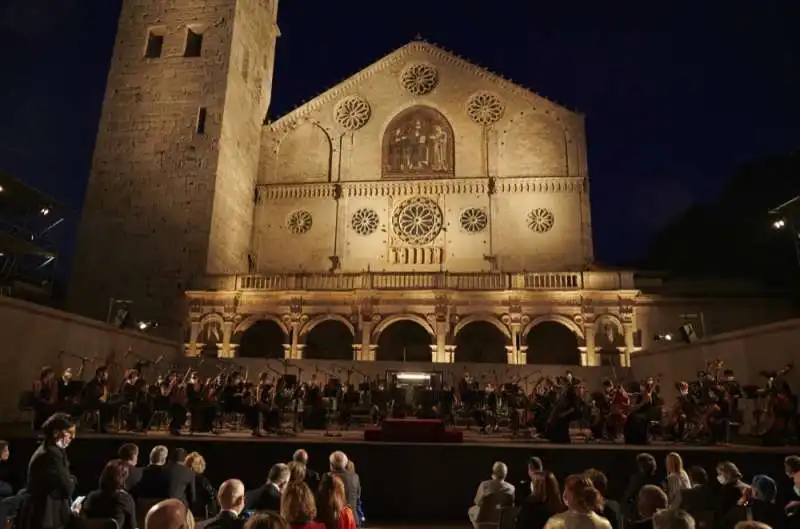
359	509
651	500
700	498
677	479
756	504
129	453
525	487
231	501
611	509
496	488
331	505
110	500
297	471
50	484
8	480
204	504
673	519
154	483
789	495
544	501
266	520
171	513
267	497
182	479
645	475
752	525
299	508
352	484
312	476
732	487
583	501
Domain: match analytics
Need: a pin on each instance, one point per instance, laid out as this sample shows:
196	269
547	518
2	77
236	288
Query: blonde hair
297	471
266	520
751	524
581	494
350	466
297	503
674	463
196	462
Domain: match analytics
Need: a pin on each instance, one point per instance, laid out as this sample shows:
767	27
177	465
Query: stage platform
411	483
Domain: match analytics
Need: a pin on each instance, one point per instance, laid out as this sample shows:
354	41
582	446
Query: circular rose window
473	220
417	220
364	221
541	220
299	222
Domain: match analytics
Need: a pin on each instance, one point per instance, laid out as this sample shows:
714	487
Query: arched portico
488	318
385	323
250	320
557	318
552	339
321	318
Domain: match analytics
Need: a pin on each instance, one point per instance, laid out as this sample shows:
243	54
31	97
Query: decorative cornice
347	86
400	188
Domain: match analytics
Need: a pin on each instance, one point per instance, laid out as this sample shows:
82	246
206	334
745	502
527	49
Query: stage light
666	337
1	189
145	325
779	224
413	376
45	211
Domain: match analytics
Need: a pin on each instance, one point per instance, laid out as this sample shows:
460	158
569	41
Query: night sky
675	99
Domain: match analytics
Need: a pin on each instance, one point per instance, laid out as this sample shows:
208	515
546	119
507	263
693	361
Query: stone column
522	355
233	348
295	341
625	358
366	338
299	354
227	331
434	353
369	356
589	358
511	356
449	354
194	332
357	352
287	351
440	347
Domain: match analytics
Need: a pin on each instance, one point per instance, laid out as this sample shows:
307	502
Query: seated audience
789	493
332	507
8	479
677	479
731	488
111	500
267	497
651	500
583	501
182	479
352	484
299	508
543	502
129	453
756	504
204	505
297	471
266	520
645	475
611	509
700	498
359	510
312	476
171	513
525	487
154	483
495	487
231	501
673	519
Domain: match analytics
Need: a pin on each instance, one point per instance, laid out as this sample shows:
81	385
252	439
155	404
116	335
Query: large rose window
417	220
352	113
419	79
485	108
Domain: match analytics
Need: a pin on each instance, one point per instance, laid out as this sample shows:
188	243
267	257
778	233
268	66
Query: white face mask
62	443
722	479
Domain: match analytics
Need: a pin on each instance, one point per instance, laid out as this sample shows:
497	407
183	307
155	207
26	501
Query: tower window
202	113
194	43
155	45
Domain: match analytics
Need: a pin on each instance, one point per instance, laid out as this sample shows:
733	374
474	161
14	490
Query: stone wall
33	335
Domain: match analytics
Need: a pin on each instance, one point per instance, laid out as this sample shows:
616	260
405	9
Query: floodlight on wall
146	325
779	224
665	337
413	376
45	211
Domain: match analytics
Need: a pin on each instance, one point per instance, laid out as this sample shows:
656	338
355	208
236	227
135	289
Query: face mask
61	443
722	480
796	490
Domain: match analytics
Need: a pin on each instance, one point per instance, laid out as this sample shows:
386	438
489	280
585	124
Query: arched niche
329	339
533	145
609	339
404	340
304	155
261	339
418	143
210	336
553	343
481	341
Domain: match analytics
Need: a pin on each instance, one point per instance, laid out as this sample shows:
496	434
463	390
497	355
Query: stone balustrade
587	280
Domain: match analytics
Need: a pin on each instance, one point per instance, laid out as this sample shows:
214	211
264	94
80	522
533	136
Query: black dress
49	491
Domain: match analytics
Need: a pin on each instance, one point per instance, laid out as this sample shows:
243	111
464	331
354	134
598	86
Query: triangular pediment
413	48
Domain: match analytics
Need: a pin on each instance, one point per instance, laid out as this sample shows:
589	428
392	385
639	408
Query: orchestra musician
637	424
178	403
567	407
69	393
96	398
45	397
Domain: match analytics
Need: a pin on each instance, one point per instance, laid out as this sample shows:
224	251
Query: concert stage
413	483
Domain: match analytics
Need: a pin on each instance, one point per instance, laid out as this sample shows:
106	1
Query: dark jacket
116	505
134	475
697	500
612	513
267	497
352	487
628	504
9	484
168	481
533	514
205	504
761	511
224	520
49	491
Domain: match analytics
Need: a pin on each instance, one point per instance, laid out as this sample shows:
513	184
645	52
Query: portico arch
321	318
416	318
210	334
609	319
255	318
488	318
552	339
557	318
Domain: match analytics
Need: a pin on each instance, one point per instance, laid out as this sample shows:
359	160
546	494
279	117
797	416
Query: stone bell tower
171	191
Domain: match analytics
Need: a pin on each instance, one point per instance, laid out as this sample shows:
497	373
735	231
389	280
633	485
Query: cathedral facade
424	209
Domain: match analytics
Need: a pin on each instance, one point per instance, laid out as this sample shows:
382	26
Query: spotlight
1	189
146	325
779	224
45	211
666	337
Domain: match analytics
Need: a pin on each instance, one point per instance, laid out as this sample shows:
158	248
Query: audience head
231	496
297	503
196	462
792	467
114	475
752	524
580	495
338	461
545	490
764	488
331	496
297	471
4	452
169	514
499	470
674	463
266	520
178	455
728	473
158	455
129	453
646	464
673	519
350	466
59	430
651	499
598	479
279	475
535	466
301	456
698	475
